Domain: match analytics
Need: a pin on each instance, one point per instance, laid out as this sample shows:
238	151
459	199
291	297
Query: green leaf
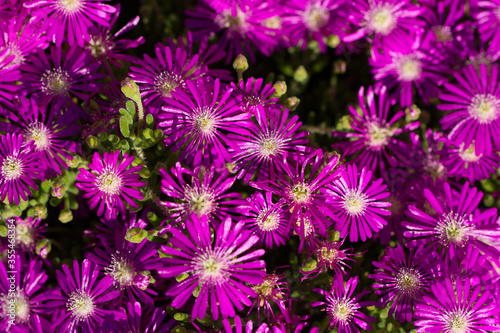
150	120
124	126
124	114
130	108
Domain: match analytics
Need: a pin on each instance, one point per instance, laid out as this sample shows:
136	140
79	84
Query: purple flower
110	183
199	118
74	17
201	191
56	79
485	13
254	99
373	135
457	307
47	129
146	320
243	23
8	77
343	308
359	203
267	220
20	165
274	289
82	300
219	267
259	149
401	280
28	232
474	105
454	226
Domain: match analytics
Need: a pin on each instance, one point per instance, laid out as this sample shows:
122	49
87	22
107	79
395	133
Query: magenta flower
267	220
8	77
110	183
474	109
454	226
20	165
457	306
485	13
401	280
260	148
146	319
274	289
56	79
199	118
343	308
82	300
28	232
359	203
219	267
201	191
255	99
74	17
373	134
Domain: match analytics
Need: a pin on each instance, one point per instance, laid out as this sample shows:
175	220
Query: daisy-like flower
384	20
373	134
267	220
454	226
243	24
145	319
130	265
485	13
406	64
317	19
463	162
255	99
259	149
20	165
76	17
28	231
29	296
8	77
218	266
110	183
201	191
301	194
56	79
200	118
458	306
107	47
274	289
47	129
82	300
343	308
359	203
402	280
473	109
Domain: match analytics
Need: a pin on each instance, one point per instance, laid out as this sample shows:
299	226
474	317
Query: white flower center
99	46
12	50
328	255
378	136
205	123
24	234
354	203
40	134
342	311
409	68
300	193
12	168
484	108
109	182
200	201
266	288
210	267
435	168
121	270
408	280
443	33
469	154
226	20
458	323
166	82
55	82
22	309
273	23
80	304
315	17
453	228
70	6
268	221
382	20
268	146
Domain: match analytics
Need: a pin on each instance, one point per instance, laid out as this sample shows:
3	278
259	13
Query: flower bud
292	103
240	64
65	216
59	188
43	247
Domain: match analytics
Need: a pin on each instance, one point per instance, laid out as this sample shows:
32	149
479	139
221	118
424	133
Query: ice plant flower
485	14
359	203
20	165
56	79
458	306
255	99
28	231
110	183
76	17
218	266
274	289
259	149
402	280
200	118
473	108
454	226
8	77
267	220
201	191
373	135
343	308
82	299
145	319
